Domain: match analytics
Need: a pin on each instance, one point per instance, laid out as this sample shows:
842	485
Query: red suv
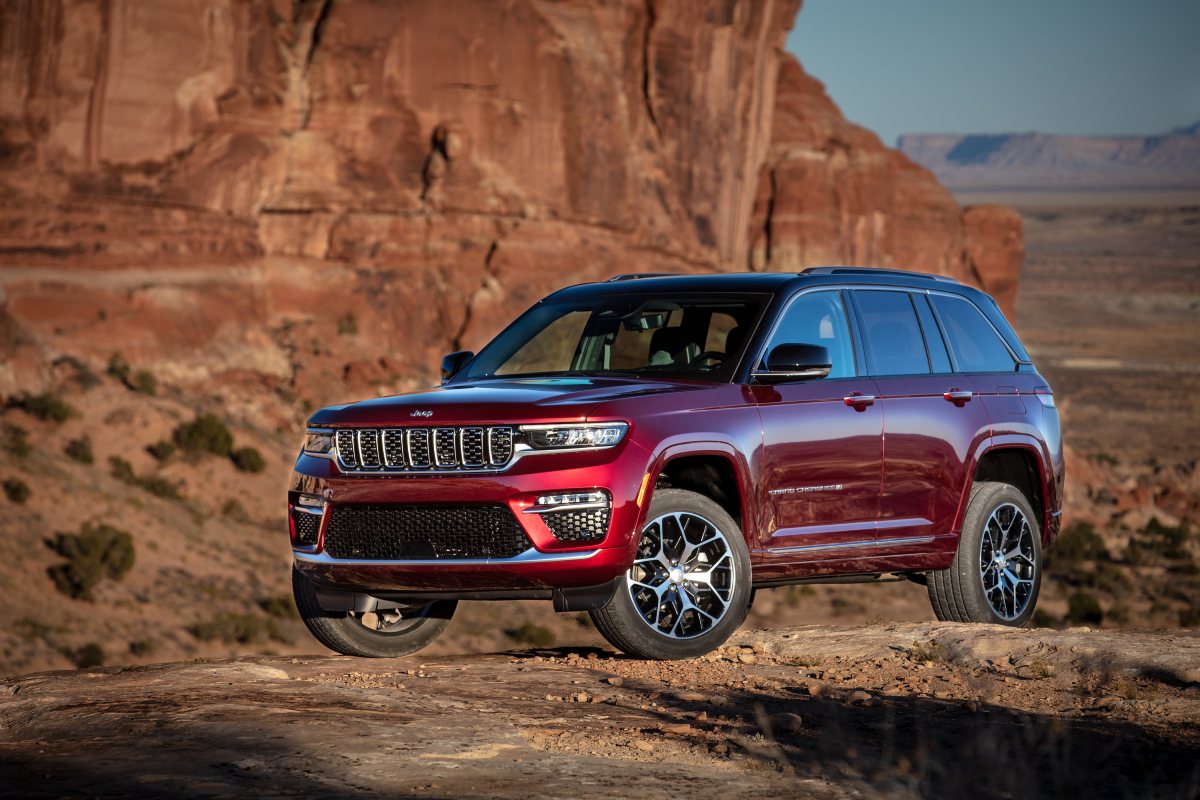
654	448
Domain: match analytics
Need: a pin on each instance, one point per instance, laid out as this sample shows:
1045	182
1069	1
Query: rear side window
893	336
973	341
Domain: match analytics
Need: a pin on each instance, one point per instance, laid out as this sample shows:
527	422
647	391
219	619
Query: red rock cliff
308	194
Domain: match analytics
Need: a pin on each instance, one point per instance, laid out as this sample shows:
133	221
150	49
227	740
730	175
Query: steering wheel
715	358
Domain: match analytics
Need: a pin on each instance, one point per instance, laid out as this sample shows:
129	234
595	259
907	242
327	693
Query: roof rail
633	276
875	271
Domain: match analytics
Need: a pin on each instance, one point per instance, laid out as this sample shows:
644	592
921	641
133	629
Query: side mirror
794	362
453	363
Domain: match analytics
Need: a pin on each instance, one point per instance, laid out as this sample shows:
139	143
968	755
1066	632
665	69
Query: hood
525	400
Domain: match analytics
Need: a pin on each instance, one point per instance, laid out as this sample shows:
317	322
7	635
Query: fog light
570	500
310	500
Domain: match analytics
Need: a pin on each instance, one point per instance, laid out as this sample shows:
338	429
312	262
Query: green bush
143	647
247	459
16	490
1170	541
1042	619
1109	577
45	406
1084	609
234	509
281	606
118	368
80	450
121	469
237	629
1190	617
205	434
347	325
1077	542
159	486
531	634
144	381
162	449
90	655
16	441
97	552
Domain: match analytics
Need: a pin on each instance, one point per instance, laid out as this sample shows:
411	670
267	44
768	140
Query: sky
998	66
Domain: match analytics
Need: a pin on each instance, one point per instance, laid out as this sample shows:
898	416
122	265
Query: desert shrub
45	406
926	651
118	368
1043	619
121	469
1190	617
205	434
1109	577
247	459
281	606
234	509
143	647
80	450
1137	554
1084	609
97	552
29	628
89	655
16	441
159	486
162	449
237	629
1170	541
16	490
531	634
347	325
1077	542
144	381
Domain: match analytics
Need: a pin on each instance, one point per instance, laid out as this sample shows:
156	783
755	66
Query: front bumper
547	565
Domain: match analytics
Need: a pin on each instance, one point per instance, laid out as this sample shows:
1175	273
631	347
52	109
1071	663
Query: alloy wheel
1007	563
682	580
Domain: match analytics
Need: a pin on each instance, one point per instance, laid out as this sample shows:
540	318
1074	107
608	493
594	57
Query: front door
819	474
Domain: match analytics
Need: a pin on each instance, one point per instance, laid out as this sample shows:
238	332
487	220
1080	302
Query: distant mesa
1047	161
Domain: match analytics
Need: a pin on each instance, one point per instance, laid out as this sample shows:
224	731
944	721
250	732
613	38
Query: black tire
961	593
345	634
628	629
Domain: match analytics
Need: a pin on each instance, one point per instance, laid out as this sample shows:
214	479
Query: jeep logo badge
421	413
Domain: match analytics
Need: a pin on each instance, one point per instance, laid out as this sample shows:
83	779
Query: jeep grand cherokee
652	449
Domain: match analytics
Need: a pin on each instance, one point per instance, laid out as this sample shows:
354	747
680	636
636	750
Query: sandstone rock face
324	196
831	193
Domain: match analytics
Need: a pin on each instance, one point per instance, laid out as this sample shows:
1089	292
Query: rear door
820	470
932	421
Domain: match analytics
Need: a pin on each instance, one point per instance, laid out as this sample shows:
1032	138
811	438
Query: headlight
555	437
319	442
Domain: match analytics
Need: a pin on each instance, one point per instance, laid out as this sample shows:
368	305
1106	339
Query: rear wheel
689	587
997	571
375	634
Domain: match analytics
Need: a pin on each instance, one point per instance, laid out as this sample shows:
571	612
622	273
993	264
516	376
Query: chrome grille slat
368	448
451	449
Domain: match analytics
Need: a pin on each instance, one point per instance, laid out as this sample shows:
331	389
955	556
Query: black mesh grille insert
443	447
500	444
368	447
418	448
345	447
387	532
472	447
585	525
449	449
307	526
393	448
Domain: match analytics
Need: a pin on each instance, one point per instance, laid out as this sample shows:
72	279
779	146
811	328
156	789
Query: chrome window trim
530	556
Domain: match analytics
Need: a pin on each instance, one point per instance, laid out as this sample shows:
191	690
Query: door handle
958	396
859	401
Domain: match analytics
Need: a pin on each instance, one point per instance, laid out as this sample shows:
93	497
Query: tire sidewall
642	640
987	499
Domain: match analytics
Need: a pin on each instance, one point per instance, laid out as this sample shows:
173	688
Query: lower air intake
585	525
402	533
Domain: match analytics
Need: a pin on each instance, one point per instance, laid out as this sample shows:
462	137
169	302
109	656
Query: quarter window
973	341
893	336
818	318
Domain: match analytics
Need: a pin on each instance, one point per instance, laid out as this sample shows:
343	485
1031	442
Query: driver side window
818	318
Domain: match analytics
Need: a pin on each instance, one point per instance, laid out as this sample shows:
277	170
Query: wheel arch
1019	464
713	469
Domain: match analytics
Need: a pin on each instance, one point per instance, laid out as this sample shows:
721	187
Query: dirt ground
902	710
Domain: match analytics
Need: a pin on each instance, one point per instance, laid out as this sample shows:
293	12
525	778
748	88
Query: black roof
772	282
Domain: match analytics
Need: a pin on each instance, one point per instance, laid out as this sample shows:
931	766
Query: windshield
699	337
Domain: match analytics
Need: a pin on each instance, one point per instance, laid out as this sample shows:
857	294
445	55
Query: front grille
393	532
584	525
411	449
306	525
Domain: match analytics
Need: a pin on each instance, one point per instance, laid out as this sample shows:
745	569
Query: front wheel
376	634
997	571
689	587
